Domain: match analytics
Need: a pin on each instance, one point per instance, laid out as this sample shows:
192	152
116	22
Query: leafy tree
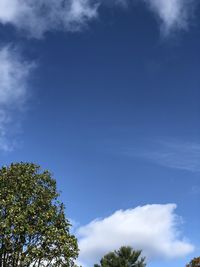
33	229
124	257
194	263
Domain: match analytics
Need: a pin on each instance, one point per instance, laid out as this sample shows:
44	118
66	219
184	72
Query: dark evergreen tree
124	257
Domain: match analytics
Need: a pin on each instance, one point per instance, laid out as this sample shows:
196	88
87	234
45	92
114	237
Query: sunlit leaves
33	228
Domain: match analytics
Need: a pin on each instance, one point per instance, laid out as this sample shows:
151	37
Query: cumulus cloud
14	74
152	228
37	17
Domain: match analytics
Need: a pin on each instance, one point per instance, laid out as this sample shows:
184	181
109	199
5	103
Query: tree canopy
33	228
124	257
194	263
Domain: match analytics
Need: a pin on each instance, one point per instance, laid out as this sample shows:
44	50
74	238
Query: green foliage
33	228
194	263
124	257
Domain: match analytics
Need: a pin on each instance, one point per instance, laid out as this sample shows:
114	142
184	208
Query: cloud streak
177	155
14	75
152	228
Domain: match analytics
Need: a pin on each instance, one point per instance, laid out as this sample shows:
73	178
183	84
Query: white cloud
35	18
38	17
174	14
152	228
14	74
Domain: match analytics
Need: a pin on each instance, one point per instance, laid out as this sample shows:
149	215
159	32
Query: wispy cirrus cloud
172	154
14	75
35	18
152	228
178	155
195	190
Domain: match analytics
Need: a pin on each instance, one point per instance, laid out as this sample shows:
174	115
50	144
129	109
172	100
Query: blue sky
105	94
